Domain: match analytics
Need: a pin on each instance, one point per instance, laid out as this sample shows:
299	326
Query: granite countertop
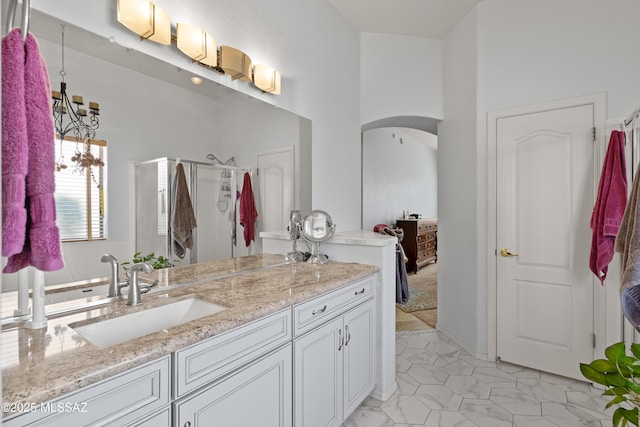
40	365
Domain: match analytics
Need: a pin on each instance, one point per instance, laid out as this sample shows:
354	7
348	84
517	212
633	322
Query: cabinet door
258	395
359	355
318	376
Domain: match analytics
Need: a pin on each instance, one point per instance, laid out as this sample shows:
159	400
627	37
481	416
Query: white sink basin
124	328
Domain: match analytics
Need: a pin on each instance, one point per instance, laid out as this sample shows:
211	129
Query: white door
277	197
545	185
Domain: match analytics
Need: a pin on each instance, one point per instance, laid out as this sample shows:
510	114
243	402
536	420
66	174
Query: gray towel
628	243
183	220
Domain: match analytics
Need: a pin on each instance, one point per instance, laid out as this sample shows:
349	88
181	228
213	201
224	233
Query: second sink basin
129	326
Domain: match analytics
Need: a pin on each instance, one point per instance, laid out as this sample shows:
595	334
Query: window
80	195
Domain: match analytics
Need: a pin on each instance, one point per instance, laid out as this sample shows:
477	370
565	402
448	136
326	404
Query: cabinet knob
361	291
187	424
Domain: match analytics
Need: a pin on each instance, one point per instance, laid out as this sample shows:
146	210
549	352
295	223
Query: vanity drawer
209	360
117	401
310	314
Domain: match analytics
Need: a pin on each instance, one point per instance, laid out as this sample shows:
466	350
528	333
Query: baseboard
477	355
384	395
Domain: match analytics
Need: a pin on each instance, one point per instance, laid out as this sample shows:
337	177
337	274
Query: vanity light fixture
145	19
235	63
197	44
266	79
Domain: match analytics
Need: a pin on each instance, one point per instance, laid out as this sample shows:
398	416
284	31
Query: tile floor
439	384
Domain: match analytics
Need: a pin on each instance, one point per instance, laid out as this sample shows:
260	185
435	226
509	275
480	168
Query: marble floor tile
516	402
518	371
439	397
486	413
542	390
419	356
468	387
405	409
448	419
531	421
568	416
406	383
494	377
454	366
368	417
442	385
427	374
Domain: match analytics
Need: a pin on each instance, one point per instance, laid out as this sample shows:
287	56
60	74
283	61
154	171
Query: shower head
230	162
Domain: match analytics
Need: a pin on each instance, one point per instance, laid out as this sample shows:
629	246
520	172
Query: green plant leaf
616	391
635	350
593	375
604	366
615	379
615	352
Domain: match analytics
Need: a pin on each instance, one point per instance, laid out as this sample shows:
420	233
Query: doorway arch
389	185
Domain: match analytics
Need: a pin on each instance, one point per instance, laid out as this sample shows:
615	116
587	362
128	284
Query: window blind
79	194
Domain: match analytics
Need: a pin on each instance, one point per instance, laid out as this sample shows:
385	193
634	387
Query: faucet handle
145	267
146	288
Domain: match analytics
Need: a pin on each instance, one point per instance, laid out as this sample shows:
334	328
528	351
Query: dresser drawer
424	227
209	360
309	314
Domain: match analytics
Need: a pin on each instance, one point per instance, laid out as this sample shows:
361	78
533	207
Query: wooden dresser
420	241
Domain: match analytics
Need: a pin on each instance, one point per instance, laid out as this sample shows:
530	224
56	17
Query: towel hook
26	13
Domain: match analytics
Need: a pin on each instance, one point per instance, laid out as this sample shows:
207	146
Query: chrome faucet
135	289
114	283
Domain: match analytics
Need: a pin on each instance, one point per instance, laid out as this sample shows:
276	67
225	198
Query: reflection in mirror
149	110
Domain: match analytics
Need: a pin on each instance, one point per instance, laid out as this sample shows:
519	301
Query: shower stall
213	189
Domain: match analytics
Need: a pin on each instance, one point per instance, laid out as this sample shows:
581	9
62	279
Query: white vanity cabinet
257	395
334	363
128	399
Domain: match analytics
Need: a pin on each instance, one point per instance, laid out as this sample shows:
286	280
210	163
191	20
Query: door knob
505	252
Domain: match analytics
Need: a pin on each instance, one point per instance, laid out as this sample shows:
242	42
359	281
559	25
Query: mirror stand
316	257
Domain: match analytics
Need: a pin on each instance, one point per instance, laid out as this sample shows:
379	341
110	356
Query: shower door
213	197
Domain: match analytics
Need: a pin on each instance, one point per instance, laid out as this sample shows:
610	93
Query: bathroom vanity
294	344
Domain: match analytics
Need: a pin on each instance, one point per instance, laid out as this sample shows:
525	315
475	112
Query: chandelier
75	121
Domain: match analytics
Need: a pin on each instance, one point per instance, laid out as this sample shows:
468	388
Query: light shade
145	19
266	79
235	63
197	44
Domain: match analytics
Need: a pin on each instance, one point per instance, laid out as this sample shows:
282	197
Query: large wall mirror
149	110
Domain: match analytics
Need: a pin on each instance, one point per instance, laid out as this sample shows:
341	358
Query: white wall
457	190
400	76
509	53
399	173
290	35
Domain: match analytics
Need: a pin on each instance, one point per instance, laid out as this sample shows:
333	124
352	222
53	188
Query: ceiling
431	19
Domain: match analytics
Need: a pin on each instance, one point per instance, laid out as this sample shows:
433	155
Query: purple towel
42	246
15	151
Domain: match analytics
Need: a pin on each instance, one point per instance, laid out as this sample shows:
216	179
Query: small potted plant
156	262
620	374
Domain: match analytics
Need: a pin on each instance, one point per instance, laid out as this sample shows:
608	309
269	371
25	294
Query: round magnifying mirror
317	227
